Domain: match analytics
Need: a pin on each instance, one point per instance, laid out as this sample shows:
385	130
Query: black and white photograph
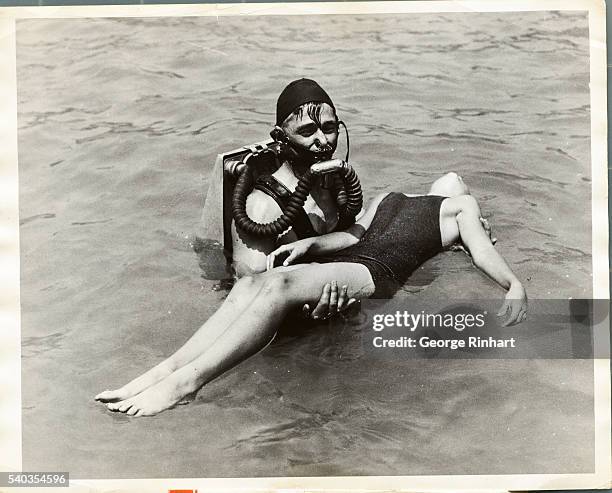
223	212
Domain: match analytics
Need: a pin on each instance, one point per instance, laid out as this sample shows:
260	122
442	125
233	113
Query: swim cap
296	94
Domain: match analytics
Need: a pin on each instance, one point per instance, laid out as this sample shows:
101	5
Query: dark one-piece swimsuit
404	233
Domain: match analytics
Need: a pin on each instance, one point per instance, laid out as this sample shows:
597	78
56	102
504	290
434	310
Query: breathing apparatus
336	175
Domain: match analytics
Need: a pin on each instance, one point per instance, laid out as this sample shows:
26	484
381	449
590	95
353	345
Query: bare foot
144	381
163	395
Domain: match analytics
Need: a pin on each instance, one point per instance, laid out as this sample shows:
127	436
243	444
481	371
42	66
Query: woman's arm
487	259
249	252
328	243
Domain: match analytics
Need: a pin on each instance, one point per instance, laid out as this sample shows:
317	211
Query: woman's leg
234	306
281	290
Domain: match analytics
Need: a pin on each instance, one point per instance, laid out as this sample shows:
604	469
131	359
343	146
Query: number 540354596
25	479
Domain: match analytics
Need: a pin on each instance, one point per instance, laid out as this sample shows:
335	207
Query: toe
125	406
105	396
132	411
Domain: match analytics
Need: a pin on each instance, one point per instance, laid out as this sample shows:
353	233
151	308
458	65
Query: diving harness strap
301	226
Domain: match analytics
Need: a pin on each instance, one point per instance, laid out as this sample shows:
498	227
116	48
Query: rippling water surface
119	124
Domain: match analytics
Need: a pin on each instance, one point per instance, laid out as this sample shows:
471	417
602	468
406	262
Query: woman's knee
449	185
247	283
468	203
463	204
277	284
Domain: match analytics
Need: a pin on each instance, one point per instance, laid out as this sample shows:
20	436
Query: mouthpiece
326	167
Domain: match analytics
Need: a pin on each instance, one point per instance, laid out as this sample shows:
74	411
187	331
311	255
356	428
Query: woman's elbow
355	233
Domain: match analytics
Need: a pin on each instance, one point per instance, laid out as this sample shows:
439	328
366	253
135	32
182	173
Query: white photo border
10	338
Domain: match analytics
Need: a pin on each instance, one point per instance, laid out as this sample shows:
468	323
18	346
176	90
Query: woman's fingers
522	316
515	309
342	297
333	299
270	260
487	227
272	256
292	256
515	313
504	308
322	308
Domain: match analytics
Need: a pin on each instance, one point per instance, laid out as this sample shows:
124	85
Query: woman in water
374	257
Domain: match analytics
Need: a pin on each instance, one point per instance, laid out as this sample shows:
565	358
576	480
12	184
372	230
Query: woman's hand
296	250
515	304
331	303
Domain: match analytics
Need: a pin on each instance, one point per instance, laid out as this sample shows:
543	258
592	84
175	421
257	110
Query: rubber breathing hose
351	196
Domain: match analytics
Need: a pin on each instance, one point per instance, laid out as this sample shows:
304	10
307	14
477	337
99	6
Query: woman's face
317	136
